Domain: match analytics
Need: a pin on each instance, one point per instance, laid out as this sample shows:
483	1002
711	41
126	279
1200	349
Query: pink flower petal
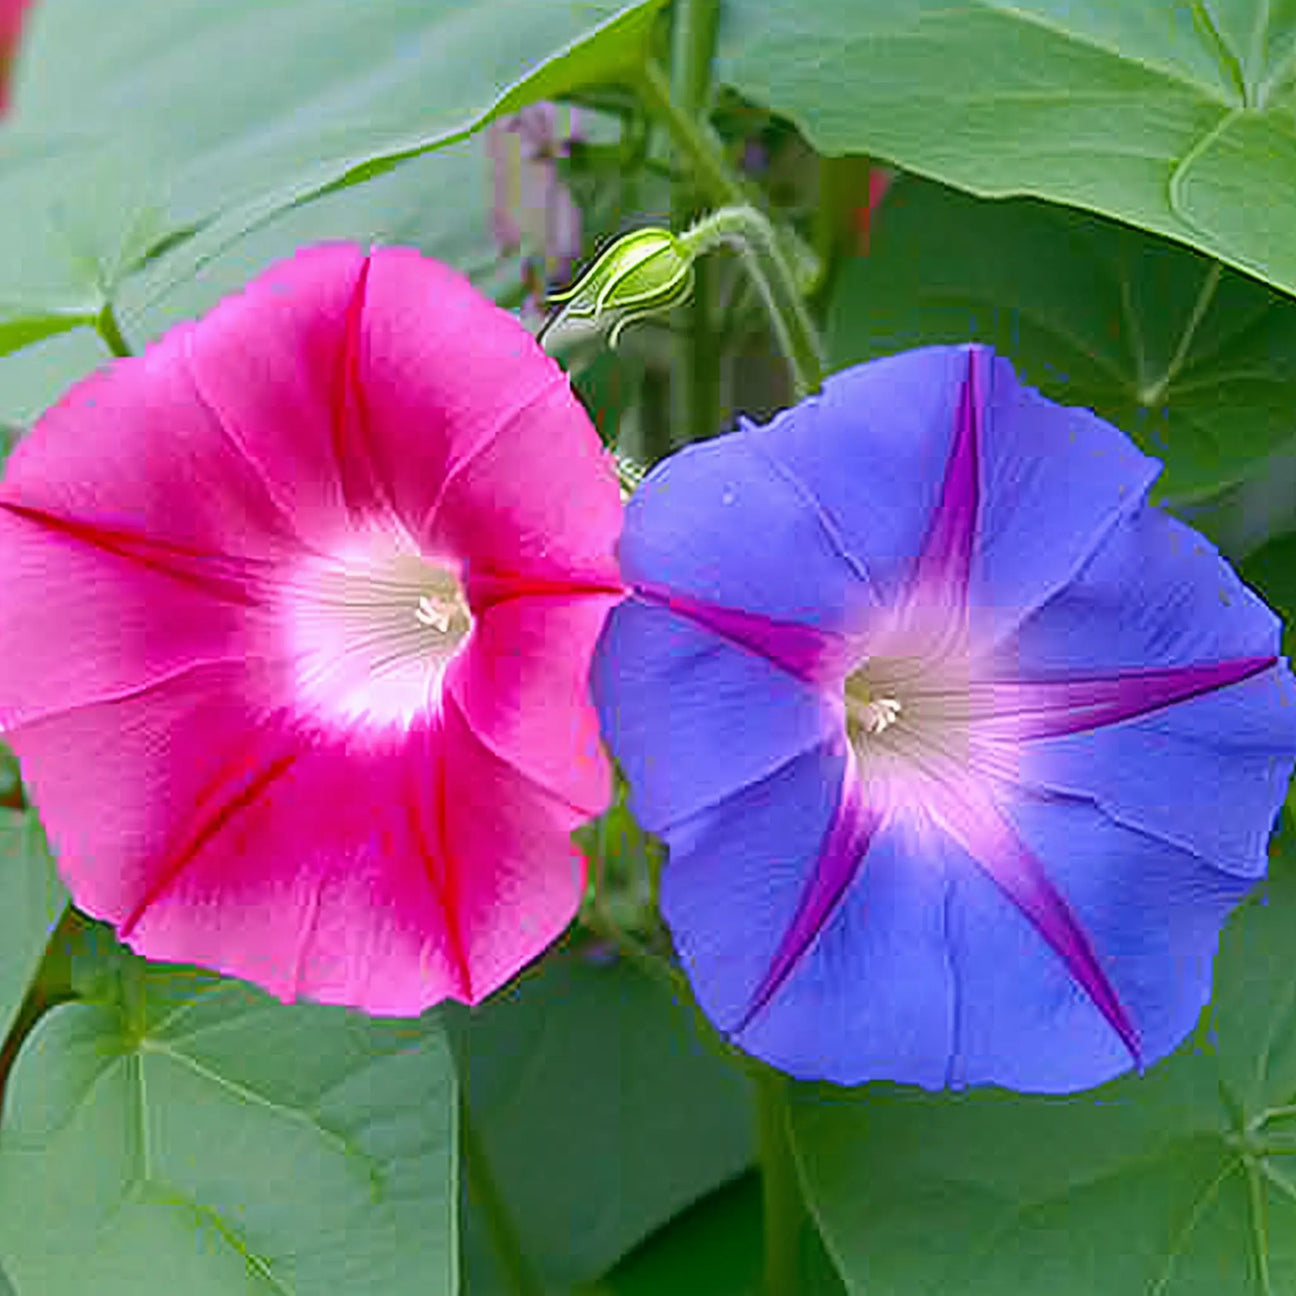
118	452
518	877
467	414
520	539
82	624
522	685
387	876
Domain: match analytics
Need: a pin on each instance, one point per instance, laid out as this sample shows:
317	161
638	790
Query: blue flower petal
926	973
692	717
872	996
1158	595
873	451
1153	914
723	523
1054	482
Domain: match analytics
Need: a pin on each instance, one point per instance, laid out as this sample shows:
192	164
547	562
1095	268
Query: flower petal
871	452
131	460
483	448
383	876
80	624
1152	913
362	386
926	972
727	525
276	365
871	996
874	451
1055	480
522	683
692	717
1158	595
537	507
517	876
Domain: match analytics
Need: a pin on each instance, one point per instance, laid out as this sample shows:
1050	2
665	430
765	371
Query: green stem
694	140
110	330
784	1210
484	1192
697	362
634	951
745	229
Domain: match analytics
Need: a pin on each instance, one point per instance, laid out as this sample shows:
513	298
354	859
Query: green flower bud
643	273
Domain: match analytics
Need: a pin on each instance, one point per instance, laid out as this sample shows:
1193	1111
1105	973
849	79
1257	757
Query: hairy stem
747	230
697	360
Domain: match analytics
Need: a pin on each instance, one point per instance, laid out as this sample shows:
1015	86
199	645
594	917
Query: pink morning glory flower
963	752
296	612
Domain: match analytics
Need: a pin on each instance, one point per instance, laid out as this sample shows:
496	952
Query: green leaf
600	1111
34	378
438	203
1178	1183
715	1248
1196	362
77	214
33	899
1272	571
1174	117
240	110
184	1133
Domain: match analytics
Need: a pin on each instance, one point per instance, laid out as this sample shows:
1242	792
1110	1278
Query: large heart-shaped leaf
234	112
1196	362
177	1132
1178	1183
599	1112
438	203
1176	117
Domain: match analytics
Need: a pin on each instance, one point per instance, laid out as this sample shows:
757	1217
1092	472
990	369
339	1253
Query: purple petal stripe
1050	708
812	655
977	824
844	847
945	562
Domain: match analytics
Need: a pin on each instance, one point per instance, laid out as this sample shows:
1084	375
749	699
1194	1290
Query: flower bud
643	273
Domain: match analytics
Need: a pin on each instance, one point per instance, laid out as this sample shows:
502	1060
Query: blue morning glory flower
963	752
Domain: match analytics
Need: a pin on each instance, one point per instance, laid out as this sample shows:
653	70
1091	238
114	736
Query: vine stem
696	387
783	1206
110	331
696	141
747	230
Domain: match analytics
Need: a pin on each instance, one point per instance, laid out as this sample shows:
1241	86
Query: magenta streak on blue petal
1051	708
814	656
988	837
844	847
945	562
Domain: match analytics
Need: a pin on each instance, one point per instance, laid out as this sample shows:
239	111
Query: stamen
371	629
430	613
878	716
